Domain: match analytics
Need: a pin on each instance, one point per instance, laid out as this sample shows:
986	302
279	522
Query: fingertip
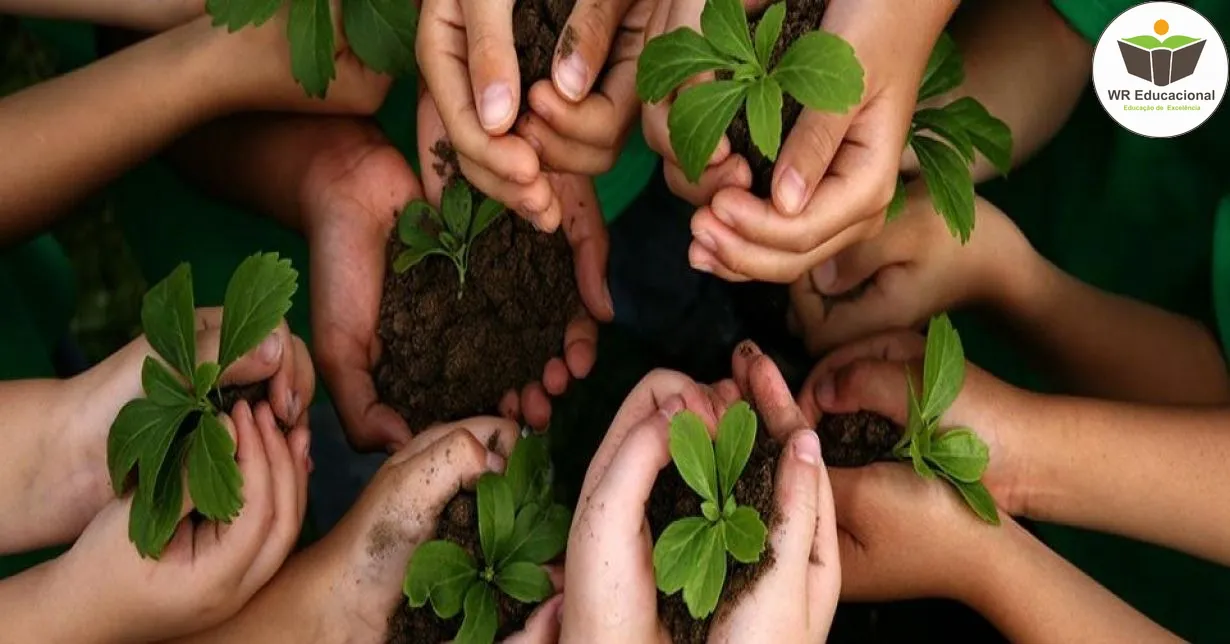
571	76
496	108
536	406
805	447
555	377
510	405
789	191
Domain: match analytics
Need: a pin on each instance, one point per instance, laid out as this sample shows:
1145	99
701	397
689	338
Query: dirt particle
568	42
382	539
855	440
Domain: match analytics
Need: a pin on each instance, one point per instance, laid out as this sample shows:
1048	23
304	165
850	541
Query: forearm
68	136
145	15
1032	595
33	609
1150	473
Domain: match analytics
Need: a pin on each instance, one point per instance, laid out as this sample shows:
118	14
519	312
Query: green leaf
702	590
410	226
945	71
481	619
692	451
990	135
441	571
764	116
698	119
487	213
457	206
381	33
214	480
677	553
671	59
724	24
948	127
539	535
152	522
949	183
408	259
977	498
161	386
943	367
960	454
450	242
821	71
525	582
495	515
153	461
237	14
897	205
917	456
736	436
139	423
257	298
745	534
914	421
205	378
710	511
168	317
728	508
768	31
528	471
310	30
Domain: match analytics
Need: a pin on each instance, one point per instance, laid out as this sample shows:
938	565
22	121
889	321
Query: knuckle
485	45
596	23
814	141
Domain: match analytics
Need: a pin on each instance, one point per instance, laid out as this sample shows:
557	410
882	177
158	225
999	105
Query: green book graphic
1161	62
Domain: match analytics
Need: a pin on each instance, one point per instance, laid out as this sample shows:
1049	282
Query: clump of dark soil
855	440
459	524
802	17
537	27
447	357
672	499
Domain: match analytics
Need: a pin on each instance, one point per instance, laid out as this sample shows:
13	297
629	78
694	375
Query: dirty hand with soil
612	596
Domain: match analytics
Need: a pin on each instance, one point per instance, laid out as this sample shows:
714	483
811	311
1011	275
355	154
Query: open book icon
1161	62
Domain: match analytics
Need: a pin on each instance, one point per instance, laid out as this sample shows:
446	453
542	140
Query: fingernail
570	75
307	449
703	265
270	349
807	447
497	104
826	393
748	349
790	191
495	462
825	275
705	239
530	208
293	408
311	464
606	294
672	405
723	215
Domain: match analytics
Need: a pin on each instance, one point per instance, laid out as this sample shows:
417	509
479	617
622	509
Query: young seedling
425	232
819	70
379	32
944	140
690	554
957	455
520	529
176	425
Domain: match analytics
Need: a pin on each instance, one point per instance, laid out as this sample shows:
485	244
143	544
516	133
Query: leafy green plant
379	32
425	231
944	139
176	425
690	554
956	455
819	70
519	530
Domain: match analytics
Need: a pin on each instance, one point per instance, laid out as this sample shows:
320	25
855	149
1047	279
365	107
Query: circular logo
1160	69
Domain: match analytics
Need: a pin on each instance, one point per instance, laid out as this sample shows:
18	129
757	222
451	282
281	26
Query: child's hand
209	570
912	270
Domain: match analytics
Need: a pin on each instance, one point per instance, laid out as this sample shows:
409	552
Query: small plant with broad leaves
379	32
944	140
819	70
520	529
690	554
176	424
956	455
426	231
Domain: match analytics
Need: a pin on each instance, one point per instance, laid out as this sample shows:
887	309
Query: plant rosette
709	515
484	573
176	426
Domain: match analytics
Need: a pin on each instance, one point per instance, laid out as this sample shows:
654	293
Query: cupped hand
209	570
911	271
836	172
574	126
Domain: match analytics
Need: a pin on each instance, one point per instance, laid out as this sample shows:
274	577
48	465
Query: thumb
873	385
585	45
591	245
494	73
543	625
888	303
806	155
259	364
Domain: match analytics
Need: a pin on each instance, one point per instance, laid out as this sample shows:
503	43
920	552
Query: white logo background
1110	72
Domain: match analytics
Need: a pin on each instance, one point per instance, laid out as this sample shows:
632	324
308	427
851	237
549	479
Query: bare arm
145	15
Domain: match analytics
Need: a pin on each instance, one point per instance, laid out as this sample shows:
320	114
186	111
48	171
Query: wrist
998	574
1015	276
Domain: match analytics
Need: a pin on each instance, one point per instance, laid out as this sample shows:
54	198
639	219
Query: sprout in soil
690	554
425	232
819	70
519	530
176	425
379	32
957	455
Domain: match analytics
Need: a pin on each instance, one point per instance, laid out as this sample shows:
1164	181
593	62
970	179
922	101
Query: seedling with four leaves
176	425
690	554
957	455
426	232
819	70
520	529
